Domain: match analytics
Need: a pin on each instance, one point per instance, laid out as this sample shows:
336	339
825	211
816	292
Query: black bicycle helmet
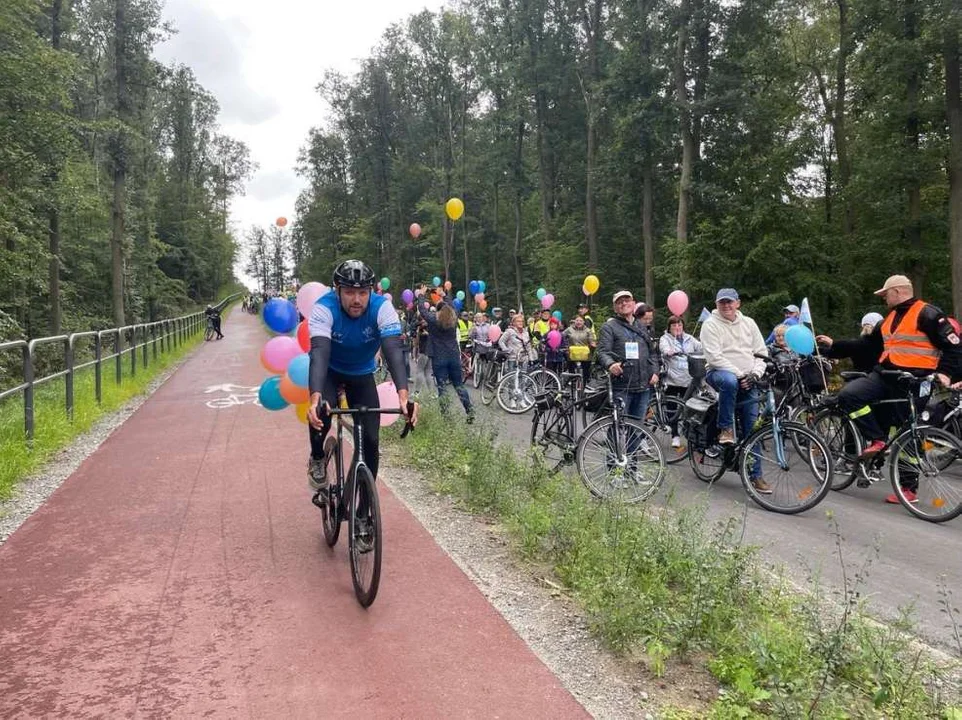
353	273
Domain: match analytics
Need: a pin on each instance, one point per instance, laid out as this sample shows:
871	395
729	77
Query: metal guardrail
123	341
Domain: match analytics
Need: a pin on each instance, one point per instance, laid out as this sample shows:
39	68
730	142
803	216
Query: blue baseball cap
726	294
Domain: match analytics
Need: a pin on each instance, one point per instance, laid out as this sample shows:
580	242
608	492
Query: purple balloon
408	297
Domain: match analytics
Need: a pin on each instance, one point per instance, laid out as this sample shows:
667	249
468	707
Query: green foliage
490	101
664	584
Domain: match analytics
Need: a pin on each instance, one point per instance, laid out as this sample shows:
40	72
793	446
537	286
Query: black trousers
858	396
360	390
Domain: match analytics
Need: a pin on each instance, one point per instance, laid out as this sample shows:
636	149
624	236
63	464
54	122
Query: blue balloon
458	304
270	394
473	287
436	281
460	295
800	339
556	315
280	315
482	286
299	370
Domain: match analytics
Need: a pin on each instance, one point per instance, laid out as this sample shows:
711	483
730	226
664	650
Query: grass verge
665	587
53	429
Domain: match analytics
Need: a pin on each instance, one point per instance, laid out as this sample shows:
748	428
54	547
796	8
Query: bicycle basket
811	375
596	396
579	353
697	366
544	401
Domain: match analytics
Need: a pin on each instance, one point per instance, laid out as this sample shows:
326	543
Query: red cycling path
181	572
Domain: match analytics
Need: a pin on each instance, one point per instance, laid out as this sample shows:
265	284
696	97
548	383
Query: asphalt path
901	560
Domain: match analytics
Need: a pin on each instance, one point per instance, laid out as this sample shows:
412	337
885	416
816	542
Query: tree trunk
953	98
119	163
684	114
647	231
913	230
518	170
838	117
495	248
53	216
591	23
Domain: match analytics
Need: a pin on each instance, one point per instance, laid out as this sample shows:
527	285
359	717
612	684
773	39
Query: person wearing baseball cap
583	313
731	340
791	313
915	337
624	352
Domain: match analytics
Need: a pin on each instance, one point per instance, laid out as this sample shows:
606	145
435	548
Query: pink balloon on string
387	398
547	301
678	302
494	333
554	339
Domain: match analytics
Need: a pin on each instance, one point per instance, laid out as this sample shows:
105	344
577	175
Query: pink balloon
478	297
494	333
387	398
554	339
279	351
677	302
547	301
415	230
308	295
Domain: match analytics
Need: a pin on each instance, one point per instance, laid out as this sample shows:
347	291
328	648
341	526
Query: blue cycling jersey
354	342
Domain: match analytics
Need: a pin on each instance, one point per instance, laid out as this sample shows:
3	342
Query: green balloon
541	293
385	283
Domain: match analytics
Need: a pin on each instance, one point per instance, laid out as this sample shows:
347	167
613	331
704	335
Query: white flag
704	315
805	313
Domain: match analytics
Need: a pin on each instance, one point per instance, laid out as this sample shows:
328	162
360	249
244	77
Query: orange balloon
435	298
281	221
304	336
294	394
483	304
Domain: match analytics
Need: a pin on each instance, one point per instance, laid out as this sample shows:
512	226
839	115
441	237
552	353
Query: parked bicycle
794	461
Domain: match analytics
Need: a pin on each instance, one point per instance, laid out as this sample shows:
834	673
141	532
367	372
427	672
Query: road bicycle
794	463
352	496
210	331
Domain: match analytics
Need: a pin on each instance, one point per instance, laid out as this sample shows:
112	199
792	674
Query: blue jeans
445	370
636	403
731	392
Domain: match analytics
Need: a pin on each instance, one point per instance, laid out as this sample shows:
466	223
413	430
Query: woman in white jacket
675	346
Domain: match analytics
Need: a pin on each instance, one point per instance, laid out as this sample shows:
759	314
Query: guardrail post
98	370
119	360
133	351
143	339
28	393
68	380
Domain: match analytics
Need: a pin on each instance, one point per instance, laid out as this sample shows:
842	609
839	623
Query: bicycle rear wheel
331	511
480	365
516	392
551	433
709	463
365	561
621	462
545	380
209	333
489	385
795	463
931	459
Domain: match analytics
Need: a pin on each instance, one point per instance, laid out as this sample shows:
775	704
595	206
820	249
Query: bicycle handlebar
408	427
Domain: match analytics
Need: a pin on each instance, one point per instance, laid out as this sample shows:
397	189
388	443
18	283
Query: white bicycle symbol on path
236	395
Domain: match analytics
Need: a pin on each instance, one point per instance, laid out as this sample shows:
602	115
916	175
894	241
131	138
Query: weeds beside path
668	587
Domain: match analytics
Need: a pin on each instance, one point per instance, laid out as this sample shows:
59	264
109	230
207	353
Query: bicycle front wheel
545	380
928	461
551	434
516	392
619	461
209	333
788	471
843	440
331	511
489	385
479	365
365	537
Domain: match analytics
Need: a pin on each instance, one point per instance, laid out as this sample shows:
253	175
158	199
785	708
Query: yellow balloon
454	208
301	411
591	284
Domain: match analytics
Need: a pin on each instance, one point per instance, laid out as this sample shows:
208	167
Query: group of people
351	325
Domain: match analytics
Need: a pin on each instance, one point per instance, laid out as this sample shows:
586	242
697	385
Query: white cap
872	318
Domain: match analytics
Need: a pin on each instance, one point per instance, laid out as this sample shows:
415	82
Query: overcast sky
262	61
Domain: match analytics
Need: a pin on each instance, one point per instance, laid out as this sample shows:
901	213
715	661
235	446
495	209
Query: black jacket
611	349
866	350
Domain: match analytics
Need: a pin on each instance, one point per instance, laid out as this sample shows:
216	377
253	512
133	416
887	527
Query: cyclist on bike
731	340
348	327
213	317
916	337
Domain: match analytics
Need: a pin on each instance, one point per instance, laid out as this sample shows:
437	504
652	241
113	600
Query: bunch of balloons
286	354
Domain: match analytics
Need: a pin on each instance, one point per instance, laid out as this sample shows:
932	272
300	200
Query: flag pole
805	316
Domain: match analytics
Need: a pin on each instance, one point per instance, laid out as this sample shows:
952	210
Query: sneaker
726	437
364	541
761	487
676	442
317	474
909	495
874	448
470	418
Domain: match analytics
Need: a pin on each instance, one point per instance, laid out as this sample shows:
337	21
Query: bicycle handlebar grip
408	427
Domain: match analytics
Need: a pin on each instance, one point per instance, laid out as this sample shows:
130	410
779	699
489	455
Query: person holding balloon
555	347
347	328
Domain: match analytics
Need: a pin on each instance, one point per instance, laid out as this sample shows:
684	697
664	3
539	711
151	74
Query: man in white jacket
730	342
